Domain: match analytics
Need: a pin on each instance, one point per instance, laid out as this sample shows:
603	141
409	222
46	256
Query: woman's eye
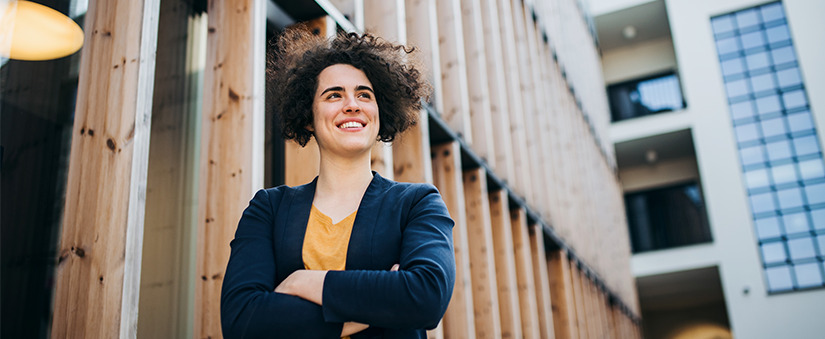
365	95
333	96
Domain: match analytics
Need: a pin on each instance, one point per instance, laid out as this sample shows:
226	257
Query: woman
351	253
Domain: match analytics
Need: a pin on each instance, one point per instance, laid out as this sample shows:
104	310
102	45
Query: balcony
645	96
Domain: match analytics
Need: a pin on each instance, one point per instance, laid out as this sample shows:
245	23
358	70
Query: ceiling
649	19
668	146
680	290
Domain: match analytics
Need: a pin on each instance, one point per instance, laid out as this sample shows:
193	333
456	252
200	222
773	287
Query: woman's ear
310	128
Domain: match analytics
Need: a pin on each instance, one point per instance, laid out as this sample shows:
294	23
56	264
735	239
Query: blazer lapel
295	224
360	241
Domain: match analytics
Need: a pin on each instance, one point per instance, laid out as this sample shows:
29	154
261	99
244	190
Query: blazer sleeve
414	297
249	306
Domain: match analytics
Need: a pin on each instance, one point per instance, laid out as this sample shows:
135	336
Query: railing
645	96
667	217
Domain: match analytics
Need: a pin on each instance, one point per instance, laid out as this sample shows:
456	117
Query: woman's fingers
395	267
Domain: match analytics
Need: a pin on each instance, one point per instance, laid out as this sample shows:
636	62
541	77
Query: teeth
351	124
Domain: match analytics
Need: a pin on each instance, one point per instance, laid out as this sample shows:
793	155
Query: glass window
768	228
794	99
729	45
773	252
752	39
742	109
747	132
747	18
820	240
796	223
789	198
773	127
779	150
806	145
732	66
763	202
772	12
811	169
815	193
762	82
737	87
778	33
783	174
808	275
783	55
757	60
800	122
789	77
768	104
779	278
802	248
722	24
818	219
757	178
752	155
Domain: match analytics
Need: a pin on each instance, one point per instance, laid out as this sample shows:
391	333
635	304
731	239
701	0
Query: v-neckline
328	220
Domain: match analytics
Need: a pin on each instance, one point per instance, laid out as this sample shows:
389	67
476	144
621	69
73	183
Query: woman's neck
342	180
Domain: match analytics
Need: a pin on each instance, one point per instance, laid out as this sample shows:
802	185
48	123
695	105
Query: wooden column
231	143
478	90
459	321
454	93
98	268
561	290
545	311
578	297
524	272
482	259
422	31
506	278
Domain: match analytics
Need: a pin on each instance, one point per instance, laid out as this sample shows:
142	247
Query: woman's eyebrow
364	87
334	88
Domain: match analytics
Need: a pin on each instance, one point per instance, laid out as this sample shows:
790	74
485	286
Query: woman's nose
351	106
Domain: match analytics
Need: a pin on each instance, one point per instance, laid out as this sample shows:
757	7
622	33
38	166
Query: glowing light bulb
30	31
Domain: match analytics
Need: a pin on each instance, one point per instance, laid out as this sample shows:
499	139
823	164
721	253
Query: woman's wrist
305	284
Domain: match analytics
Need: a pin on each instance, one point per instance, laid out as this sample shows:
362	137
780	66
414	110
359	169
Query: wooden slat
477	86
544	305
454	92
561	291
411	153
524	272
482	256
578	297
422	31
502	163
459	321
233	102
98	268
506	278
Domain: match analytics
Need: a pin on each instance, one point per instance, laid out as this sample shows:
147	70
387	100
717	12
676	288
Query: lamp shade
35	32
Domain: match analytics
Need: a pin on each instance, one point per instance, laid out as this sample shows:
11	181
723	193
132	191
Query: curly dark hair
298	57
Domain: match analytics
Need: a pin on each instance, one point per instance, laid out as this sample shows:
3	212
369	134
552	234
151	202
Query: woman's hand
305	284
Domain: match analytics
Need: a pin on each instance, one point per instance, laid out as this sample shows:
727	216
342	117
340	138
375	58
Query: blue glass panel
789	198
779	150
767	228
762	202
747	18
801	248
747	132
808	275
728	45
820	239
762	82
783	55
811	169
757	60
737	88
801	121
742	109
772	12
806	145
722	24
773	127
752	155
778	33
756	178
783	174
752	39
779	278
773	252
796	223
733	66
789	77
768	104
815	193
794	99
818	219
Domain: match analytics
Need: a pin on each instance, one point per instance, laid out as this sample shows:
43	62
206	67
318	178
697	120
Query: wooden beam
99	256
544	306
422	31
232	114
506	277
477	86
578	297
454	93
459	321
482	258
561	291
524	272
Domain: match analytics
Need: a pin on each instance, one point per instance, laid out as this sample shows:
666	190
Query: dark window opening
667	217
645	96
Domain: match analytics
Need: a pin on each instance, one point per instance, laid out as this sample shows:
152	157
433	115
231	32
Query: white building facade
720	106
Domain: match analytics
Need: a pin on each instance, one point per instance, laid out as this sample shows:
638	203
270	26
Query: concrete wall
644	58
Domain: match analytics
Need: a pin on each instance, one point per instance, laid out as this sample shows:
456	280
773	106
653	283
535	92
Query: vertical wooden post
477	87
524	271
422	31
482	259
98	268
561	291
578	297
545	311
231	143
506	278
454	93
458	321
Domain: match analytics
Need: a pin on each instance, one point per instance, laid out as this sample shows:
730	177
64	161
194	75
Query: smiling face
344	110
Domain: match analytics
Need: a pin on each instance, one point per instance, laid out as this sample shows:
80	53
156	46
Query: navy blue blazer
396	222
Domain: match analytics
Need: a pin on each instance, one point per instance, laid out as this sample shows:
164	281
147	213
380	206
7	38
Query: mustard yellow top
325	243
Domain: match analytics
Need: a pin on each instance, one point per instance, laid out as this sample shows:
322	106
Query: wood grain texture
233	104
98	271
544	306
561	290
454	90
506	277
422	31
459	320
477	86
525	275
